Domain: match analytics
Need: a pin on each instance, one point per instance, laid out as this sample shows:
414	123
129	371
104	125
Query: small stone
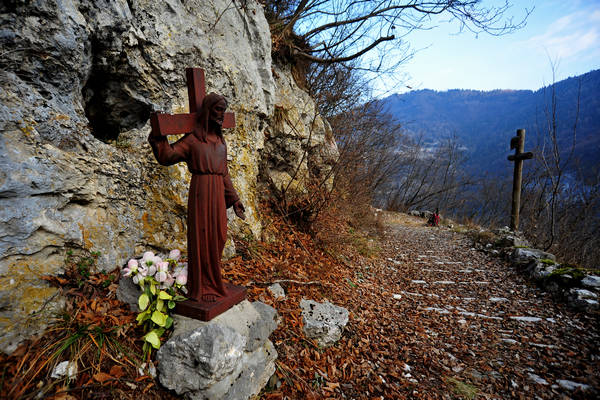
522	256
584	294
128	292
526	319
397	297
537	379
277	291
570	385
65	368
591	281
541	271
323	322
583	299
439	310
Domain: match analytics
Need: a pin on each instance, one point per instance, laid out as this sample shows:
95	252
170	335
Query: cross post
517	143
175	124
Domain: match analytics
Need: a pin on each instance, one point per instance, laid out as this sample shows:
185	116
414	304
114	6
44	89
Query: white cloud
569	36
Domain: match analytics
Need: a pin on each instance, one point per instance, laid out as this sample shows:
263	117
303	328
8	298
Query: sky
565	33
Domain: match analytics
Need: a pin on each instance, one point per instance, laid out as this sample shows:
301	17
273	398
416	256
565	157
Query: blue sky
564	31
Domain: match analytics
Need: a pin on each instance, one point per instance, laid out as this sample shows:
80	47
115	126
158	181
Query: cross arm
175	124
521	156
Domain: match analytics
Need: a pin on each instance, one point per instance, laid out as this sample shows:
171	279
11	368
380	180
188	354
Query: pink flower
143	271
174	254
163	266
169	282
147	256
161	276
181	279
126	271
132	264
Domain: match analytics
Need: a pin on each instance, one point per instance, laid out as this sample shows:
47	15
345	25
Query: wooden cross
175	124
517	143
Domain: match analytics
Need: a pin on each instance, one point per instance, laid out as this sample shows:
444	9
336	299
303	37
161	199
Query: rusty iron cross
517	143
175	124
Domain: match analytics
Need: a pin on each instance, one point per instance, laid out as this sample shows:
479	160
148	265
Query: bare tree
337	31
429	176
552	156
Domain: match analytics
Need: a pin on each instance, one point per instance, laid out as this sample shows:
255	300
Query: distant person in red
434	220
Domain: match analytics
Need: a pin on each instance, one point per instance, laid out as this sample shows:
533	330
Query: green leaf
169	323
143	316
164	295
160	305
152	338
159	318
143	301
171	304
153	289
179	298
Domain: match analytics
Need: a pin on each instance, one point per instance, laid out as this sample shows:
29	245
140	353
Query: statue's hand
239	209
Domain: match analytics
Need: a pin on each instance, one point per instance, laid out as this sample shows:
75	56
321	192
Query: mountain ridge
484	121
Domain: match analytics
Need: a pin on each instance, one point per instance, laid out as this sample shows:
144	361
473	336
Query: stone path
485	325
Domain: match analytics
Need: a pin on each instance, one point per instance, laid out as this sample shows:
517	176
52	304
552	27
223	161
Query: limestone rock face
78	81
300	146
229	357
323	322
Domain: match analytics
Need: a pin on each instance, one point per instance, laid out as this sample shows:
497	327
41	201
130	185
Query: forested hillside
484	122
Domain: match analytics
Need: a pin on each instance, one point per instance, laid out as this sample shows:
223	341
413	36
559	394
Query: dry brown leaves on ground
96	332
430	318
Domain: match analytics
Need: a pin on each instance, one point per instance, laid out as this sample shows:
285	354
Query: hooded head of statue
211	115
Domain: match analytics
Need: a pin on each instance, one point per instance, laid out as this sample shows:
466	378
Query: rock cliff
79	79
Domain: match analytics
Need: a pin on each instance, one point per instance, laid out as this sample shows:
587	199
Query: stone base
205	311
227	358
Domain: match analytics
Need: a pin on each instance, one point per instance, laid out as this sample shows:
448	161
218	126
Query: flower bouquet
162	283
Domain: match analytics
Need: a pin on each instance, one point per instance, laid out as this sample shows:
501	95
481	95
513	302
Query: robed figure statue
211	193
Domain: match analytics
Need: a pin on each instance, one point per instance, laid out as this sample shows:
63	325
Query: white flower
157	260
143	271
127	271
174	254
147	256
136	279
151	270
